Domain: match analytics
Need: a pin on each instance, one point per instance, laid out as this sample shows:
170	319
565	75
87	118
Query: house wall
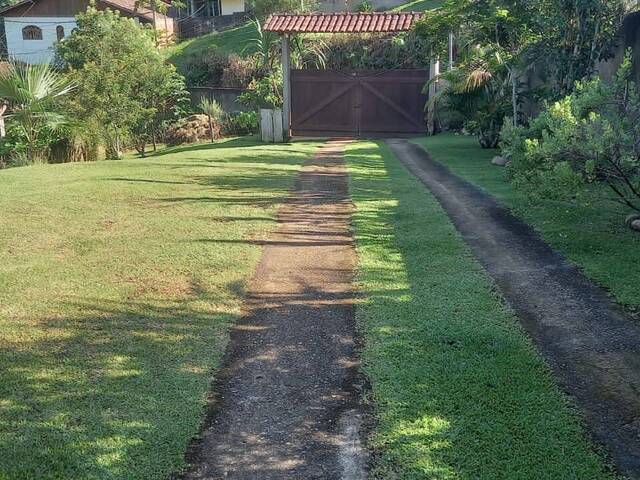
232	6
35	51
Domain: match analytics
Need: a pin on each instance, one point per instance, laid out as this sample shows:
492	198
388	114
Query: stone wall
226	97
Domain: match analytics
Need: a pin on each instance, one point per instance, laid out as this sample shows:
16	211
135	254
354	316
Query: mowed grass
235	40
590	232
458	390
419	5
118	281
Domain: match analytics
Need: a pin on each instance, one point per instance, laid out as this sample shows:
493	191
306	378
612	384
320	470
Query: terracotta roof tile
341	22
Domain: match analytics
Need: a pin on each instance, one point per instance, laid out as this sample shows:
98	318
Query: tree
562	39
124	84
34	93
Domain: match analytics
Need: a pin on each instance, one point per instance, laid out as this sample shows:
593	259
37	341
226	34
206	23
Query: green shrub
375	51
241	123
206	69
263	93
364	6
590	135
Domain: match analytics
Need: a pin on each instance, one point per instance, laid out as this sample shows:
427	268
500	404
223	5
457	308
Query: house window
31	32
60	32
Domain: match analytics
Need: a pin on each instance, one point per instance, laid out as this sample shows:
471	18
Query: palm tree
482	88
33	93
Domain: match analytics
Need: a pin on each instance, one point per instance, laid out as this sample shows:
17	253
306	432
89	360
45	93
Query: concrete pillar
434	71
286	85
451	43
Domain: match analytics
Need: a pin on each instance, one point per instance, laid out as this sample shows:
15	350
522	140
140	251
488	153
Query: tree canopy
124	84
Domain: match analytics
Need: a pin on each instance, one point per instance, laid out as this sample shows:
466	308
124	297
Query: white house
32	27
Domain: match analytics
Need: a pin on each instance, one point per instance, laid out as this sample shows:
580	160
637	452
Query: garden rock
635	225
500	161
191	130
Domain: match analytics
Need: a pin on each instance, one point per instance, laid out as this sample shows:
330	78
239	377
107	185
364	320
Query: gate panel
393	102
322	102
357	103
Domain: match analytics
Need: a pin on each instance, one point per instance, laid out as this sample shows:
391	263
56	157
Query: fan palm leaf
32	93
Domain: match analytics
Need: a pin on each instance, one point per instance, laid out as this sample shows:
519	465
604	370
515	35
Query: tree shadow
453	374
109	395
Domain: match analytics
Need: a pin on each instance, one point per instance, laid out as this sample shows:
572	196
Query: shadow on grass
109	394
460	391
114	388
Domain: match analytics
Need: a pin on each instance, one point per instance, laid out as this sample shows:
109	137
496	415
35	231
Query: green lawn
590	233
419	5
459	391
118	281
234	40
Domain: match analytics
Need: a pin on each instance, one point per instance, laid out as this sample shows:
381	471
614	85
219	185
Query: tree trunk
210	128
514	97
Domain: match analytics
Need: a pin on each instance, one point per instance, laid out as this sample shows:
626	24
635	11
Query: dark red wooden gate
357	103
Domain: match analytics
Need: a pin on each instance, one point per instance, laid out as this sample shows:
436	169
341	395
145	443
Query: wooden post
3	132
286	86
434	71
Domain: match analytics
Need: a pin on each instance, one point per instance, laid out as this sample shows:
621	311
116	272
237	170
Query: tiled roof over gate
376	22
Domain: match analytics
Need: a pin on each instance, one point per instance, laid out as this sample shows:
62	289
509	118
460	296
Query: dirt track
591	345
288	397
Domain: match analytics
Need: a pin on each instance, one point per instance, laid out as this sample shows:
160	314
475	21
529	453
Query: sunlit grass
118	281
458	390
590	232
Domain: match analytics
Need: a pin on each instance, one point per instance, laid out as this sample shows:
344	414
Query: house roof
341	22
127	6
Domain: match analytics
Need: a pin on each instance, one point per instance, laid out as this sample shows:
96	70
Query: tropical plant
479	89
308	52
33	93
264	47
214	113
562	39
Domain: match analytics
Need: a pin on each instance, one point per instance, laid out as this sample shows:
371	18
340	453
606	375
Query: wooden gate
327	102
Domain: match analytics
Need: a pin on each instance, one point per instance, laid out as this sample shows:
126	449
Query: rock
635	225
631	218
192	129
500	161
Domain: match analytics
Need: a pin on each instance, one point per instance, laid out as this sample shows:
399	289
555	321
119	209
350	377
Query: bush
590	135
241	123
206	69
364	6
264	93
375	52
239	72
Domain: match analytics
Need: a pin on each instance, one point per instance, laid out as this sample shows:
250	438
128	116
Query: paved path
593	348
288	397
